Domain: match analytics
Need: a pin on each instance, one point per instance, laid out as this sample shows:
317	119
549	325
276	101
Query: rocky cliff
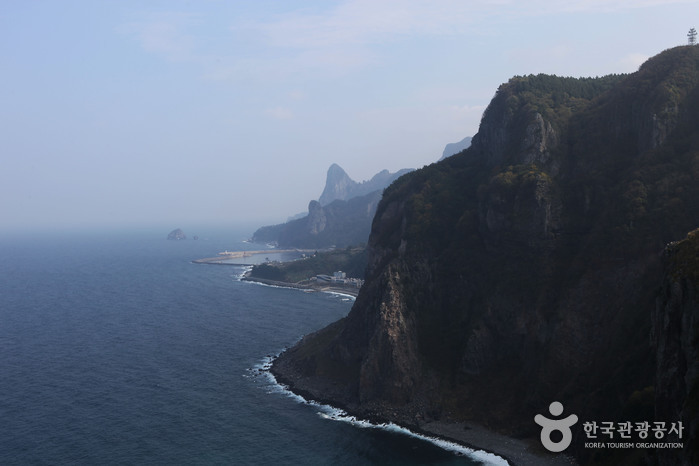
525	269
676	340
341	217
338	224
339	186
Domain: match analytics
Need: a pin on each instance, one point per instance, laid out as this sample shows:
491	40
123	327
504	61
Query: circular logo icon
551	425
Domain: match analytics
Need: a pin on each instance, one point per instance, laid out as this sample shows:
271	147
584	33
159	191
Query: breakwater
225	257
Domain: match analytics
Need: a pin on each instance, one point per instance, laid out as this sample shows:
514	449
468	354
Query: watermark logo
550	425
608	434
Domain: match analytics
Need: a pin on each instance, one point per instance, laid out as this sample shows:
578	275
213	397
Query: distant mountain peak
336	170
341	216
455	147
339	186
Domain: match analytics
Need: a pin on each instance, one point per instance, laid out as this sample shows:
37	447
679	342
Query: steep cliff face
340	224
317	219
525	269
676	339
338	185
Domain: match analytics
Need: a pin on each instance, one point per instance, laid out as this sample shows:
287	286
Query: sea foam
244	270
332	413
344	296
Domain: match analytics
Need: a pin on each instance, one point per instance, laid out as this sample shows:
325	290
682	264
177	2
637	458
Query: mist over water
117	349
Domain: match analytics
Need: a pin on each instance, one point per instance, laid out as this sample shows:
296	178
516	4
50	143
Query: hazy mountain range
340	217
455	147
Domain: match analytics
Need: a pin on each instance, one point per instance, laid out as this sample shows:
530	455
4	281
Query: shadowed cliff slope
525	269
676	339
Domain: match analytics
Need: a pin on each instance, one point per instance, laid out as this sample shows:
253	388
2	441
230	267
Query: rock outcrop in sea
176	234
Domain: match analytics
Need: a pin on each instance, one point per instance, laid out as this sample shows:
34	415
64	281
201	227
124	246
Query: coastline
516	452
229	255
332	412
351	291
345	290
471	436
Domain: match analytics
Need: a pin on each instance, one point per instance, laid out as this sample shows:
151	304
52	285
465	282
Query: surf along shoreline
474	437
351	291
332	410
225	259
316	390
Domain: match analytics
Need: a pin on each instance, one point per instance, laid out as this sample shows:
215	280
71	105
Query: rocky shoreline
351	291
347	290
470	435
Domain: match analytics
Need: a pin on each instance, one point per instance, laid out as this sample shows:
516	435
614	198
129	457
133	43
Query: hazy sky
183	113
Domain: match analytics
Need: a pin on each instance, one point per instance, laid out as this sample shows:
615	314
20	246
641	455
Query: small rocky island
176	235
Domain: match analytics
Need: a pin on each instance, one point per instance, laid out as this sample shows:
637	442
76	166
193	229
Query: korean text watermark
644	434
607	434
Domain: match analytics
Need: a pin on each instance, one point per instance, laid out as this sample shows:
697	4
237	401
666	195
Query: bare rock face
338	185
676	339
539	140
390	366
317	220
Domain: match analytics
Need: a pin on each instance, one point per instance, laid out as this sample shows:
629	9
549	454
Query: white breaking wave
336	414
243	271
275	286
344	296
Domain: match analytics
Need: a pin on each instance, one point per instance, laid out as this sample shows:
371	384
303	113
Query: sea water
117	349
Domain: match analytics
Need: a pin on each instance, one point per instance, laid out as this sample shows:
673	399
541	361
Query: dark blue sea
117	349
